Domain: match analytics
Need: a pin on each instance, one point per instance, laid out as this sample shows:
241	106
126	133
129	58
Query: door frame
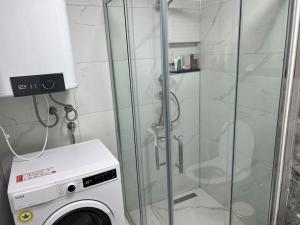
284	135
135	113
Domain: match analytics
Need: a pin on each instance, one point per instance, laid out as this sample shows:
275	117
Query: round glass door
85	216
85	212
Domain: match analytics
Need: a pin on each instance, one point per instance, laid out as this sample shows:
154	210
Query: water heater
35	48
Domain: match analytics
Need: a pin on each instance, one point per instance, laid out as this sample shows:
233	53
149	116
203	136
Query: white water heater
35	48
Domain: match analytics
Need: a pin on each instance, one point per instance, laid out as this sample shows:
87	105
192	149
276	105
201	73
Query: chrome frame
136	114
116	111
166	105
284	114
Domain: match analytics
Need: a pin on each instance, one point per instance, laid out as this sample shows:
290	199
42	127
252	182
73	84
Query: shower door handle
157	159
157	138
157	154
179	139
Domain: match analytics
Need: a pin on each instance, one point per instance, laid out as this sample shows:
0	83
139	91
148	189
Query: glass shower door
223	143
146	35
123	105
204	36
135	57
197	89
260	75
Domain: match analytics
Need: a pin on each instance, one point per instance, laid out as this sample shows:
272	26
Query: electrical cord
51	111
68	109
6	136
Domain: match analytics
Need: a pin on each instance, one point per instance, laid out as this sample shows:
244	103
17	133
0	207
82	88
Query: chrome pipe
166	105
157	3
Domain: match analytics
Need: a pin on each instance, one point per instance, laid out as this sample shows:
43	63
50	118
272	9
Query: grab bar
179	165
157	138
157	159
156	153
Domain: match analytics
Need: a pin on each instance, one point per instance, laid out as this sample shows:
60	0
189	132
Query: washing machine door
85	212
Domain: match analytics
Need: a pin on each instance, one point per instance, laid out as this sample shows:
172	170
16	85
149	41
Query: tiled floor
151	217
202	209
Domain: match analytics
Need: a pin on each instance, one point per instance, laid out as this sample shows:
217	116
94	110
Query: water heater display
38	84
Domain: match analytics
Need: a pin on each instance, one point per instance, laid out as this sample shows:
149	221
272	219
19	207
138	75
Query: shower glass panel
120	69
134	36
144	26
262	48
225	71
203	35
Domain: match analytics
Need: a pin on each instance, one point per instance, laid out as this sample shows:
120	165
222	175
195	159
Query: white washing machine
72	185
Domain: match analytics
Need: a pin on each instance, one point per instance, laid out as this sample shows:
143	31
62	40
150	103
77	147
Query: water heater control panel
37	84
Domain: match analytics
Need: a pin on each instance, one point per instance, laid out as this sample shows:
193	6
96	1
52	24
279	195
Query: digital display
37	84
99	178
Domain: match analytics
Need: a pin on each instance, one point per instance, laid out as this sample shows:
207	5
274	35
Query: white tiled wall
92	98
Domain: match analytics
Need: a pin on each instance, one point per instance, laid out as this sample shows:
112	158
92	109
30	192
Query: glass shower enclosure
197	88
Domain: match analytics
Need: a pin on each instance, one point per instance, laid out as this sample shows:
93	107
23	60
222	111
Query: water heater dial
48	84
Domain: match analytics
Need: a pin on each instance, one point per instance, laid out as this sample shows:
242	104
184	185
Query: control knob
71	188
48	84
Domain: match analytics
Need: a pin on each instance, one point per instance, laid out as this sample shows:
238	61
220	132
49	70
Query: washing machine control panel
99	178
38	196
81	184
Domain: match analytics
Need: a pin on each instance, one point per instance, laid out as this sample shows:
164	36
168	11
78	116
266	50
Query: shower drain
184	198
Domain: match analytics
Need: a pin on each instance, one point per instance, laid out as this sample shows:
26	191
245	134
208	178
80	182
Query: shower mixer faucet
158	138
156	127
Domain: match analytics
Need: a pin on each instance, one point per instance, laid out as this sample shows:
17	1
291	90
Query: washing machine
72	185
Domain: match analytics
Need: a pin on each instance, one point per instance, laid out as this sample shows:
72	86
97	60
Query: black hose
52	111
68	109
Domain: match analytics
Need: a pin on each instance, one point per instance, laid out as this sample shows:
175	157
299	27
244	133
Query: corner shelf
184	44
184	71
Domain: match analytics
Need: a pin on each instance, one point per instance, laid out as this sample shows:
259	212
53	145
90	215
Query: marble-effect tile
202	208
